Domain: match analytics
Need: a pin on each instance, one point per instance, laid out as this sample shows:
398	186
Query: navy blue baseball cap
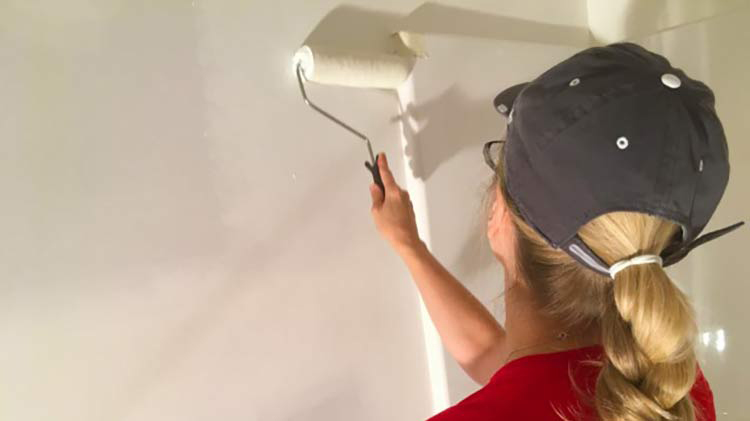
614	128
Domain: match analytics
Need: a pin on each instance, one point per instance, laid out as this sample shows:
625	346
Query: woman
613	164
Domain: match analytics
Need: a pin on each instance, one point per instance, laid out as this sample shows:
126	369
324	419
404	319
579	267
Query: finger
377	196
385	174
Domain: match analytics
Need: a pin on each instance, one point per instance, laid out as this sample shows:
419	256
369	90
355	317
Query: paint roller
328	66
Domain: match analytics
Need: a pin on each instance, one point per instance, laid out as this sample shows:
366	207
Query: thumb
385	173
377	196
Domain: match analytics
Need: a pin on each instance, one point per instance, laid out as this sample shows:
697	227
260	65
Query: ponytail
647	331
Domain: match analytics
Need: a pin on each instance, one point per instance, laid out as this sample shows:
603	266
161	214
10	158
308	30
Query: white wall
182	238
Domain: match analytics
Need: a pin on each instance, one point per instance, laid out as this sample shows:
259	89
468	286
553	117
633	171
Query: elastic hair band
637	260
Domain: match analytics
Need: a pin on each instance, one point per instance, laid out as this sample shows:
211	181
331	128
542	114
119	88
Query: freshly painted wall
182	238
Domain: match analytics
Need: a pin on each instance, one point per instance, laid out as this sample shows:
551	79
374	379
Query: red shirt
532	387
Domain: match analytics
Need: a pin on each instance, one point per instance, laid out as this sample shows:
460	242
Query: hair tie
637	260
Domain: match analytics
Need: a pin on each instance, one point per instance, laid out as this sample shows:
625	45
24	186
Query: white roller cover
333	67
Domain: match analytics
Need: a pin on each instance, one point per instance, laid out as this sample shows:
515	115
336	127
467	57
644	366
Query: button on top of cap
671	80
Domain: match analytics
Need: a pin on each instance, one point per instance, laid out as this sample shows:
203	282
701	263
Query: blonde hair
647	324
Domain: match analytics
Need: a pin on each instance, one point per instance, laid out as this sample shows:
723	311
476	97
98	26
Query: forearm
465	326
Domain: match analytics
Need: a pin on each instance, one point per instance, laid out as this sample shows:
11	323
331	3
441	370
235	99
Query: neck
530	331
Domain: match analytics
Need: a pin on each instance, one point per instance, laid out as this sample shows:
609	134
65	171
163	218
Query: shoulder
545	386
538	387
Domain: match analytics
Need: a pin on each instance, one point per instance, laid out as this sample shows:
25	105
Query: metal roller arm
373	165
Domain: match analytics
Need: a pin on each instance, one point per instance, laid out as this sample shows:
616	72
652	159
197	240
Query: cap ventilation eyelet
671	80
622	142
574	82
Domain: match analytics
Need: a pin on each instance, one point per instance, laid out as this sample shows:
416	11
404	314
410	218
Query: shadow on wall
441	19
441	127
350	27
438	129
369	31
429	121
466	123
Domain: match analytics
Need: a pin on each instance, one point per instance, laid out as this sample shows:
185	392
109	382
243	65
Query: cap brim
504	100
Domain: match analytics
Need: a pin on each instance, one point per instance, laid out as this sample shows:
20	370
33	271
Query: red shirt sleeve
703	398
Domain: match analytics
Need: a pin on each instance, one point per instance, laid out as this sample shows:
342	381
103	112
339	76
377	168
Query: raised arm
469	332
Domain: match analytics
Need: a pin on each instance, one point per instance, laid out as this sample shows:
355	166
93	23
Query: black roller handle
375	170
